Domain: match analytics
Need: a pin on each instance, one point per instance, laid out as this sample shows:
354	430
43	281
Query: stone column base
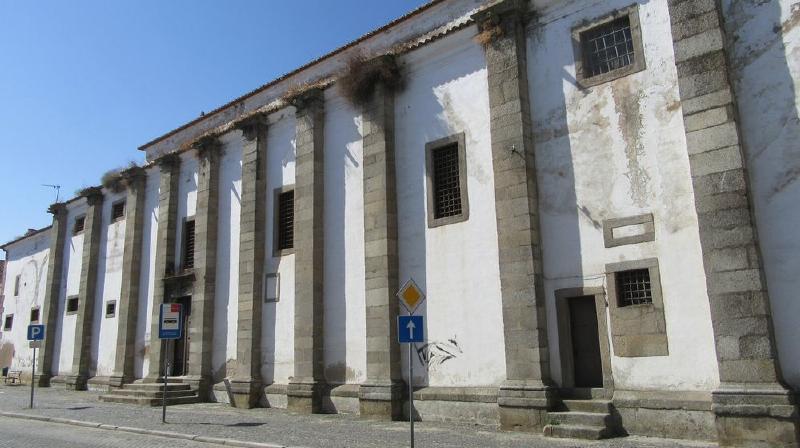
77	382
201	383
756	415
382	401
305	397
245	393
523	406
42	380
117	381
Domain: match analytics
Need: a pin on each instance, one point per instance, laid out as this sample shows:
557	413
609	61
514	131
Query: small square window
80	221
8	323
72	305
633	287
284	220
188	244
608	48
447	181
111	308
17	281
117	211
35	314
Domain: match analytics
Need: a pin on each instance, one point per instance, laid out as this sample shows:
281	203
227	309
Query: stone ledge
344	390
461	394
666	400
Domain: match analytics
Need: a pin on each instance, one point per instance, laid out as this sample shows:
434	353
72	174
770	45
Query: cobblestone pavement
21	433
284	428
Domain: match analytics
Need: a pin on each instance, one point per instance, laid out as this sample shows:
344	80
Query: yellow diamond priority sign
410	295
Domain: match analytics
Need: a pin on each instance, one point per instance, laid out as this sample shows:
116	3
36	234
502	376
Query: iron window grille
80	222
9	322
118	211
188	244
72	305
286	220
446	182
634	287
34	314
608	47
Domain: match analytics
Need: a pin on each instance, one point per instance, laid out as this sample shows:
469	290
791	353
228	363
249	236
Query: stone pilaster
170	170
201	326
306	387
381	395
525	396
58	238
752	404
87	291
128	307
245	377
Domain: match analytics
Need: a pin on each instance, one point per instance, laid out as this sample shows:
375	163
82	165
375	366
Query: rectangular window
80	221
111	308
285	220
35	314
17	281
9	322
117	211
633	287
72	305
447	181
188	244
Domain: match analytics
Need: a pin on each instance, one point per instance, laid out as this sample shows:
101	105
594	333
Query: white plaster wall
70	286
109	286
446	93
148	274
27	258
277	339
764	42
227	281
345	311
614	150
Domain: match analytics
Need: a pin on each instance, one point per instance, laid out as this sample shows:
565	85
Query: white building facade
575	185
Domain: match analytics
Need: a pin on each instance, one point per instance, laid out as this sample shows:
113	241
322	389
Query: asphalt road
16	433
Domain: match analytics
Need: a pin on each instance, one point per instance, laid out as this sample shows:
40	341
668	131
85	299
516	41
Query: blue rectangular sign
170	321
35	332
410	329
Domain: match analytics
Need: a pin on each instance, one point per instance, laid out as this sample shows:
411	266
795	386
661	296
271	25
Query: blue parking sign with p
35	332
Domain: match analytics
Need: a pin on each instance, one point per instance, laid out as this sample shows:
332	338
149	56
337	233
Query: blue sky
84	83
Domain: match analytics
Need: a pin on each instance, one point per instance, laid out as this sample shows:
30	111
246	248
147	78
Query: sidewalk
282	428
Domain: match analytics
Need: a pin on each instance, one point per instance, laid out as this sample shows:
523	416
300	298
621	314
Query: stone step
156	386
148	401
154	393
580	418
578	432
597	406
583	393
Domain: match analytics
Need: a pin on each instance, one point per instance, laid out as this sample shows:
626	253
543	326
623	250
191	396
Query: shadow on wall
758	34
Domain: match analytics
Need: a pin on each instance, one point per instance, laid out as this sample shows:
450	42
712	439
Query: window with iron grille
35	314
188	244
608	47
72	305
80	221
118	211
9	322
111	308
446	184
633	287
285	221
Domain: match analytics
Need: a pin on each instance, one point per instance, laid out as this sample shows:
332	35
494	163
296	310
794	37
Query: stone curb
151	432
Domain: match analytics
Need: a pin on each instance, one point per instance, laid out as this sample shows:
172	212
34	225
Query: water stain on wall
627	104
6	354
339	373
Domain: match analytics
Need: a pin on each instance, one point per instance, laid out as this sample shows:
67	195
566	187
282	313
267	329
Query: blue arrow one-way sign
410	329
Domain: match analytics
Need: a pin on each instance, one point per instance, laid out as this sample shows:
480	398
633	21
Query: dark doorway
180	348
585	342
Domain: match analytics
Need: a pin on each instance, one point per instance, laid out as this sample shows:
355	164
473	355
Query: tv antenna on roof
54	187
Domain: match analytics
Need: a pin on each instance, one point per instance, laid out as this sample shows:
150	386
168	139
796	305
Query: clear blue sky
84	83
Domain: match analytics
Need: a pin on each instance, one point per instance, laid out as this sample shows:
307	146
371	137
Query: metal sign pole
33	374
164	392
411	393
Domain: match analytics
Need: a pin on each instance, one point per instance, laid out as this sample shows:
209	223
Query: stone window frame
114	205
277	277
649	338
37	309
609	225
566	356
76	300
639	63
430	147
276	193
75	229
8	322
113	312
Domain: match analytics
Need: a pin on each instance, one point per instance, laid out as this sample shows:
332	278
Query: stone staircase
584	414
151	394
